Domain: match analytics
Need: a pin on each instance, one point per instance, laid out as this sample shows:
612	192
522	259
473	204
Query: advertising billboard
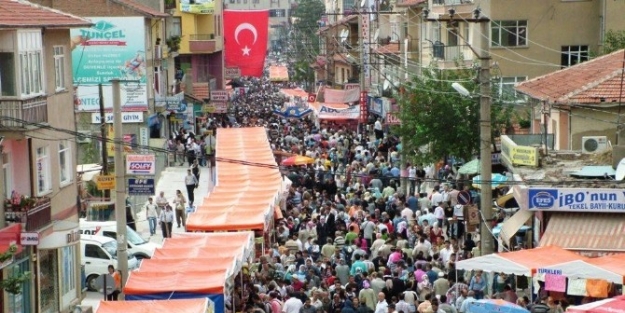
197	6
113	48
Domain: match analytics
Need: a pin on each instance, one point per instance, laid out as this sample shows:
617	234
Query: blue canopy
293	112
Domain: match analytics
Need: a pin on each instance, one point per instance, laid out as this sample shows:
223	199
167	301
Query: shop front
58	265
17	263
589	221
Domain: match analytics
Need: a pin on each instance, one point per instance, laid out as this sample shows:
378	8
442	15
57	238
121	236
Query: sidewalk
171	179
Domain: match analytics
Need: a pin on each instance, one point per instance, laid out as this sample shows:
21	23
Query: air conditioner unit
83	137
594	144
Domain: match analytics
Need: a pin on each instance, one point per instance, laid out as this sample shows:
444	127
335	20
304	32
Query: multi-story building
127	42
200	55
38	182
279	14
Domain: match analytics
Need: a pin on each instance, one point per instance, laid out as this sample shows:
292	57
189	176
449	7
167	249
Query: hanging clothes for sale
576	287
597	288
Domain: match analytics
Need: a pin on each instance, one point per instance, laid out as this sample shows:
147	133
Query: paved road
171	180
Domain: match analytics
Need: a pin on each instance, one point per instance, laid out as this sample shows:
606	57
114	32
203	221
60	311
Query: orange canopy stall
248	184
196	282
200	252
182	265
154	306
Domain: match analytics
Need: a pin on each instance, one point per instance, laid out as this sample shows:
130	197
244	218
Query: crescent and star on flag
239	29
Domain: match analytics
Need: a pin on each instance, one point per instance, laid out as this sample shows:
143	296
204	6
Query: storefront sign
232	72
392	119
514	154
140	164
105	182
29	239
144	139
577	200
127	117
363	107
351	86
549	271
197	6
219	96
215	107
351	113
113	48
376	106
169	101
64	233
137	187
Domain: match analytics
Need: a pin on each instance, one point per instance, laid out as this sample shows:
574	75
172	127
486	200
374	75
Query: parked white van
138	246
98	252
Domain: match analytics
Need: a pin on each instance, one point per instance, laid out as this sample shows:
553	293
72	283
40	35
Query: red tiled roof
22	14
586	82
410	3
140	8
339	22
391	48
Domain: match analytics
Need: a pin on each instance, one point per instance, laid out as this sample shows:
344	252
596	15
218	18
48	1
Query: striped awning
586	233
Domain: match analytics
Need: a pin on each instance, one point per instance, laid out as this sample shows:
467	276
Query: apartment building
38	180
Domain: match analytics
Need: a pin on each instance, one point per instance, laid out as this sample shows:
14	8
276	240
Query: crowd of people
350	239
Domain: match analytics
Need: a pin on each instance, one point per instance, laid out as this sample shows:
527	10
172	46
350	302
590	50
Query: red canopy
612	305
154	306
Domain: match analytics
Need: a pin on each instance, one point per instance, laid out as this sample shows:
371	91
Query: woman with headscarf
424	287
435	232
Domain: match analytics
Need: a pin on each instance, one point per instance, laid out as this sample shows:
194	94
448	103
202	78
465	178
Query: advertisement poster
113	48
197	6
577	200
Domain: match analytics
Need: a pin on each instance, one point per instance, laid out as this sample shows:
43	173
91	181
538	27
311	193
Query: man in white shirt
381	306
377	129
437	197
439	214
446	252
293	305
152	215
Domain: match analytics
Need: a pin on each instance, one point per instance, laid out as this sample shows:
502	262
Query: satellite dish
362	3
461	90
620	170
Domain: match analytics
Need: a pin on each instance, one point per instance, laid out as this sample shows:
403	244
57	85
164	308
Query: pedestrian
166	220
116	289
191	183
195	169
180	202
152	215
161	202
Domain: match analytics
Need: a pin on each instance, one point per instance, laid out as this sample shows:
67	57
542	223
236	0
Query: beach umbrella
298	160
470	168
496	181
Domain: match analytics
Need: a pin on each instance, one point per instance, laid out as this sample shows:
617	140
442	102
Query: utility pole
486	195
120	185
103	131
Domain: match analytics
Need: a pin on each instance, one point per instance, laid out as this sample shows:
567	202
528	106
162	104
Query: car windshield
133	237
111	248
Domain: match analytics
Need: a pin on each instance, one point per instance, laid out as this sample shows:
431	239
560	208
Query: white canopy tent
493	263
582	269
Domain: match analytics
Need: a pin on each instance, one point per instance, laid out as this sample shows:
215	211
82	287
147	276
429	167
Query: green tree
439	122
304	42
614	40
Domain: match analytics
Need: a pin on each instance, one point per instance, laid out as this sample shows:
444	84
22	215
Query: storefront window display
48	277
68	274
20	303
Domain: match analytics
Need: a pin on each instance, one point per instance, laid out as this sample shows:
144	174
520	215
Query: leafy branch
13	283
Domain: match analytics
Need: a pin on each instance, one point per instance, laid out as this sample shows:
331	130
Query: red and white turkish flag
245	40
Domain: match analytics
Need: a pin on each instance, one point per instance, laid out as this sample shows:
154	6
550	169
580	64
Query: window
507	91
436	31
572	55
44	181
277	13
8	175
65	162
7	74
175	27
509	33
255	1
59	67
453	28
94	251
68	268
31	72
394	32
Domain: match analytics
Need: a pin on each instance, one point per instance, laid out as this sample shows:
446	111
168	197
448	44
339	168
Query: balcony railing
34	214
206	43
451	2
21	112
441	52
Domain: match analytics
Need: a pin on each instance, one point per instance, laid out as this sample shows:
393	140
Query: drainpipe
602	23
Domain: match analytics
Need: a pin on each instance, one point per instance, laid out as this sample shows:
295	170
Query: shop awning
154	306
9	236
512	225
586	270
586	233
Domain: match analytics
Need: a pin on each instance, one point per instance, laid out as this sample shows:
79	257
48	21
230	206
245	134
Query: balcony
451	2
33	213
447	55
18	113
205	43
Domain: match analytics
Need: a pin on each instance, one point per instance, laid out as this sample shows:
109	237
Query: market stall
612	305
155	306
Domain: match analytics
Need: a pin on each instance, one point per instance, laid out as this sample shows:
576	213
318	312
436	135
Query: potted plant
173	43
